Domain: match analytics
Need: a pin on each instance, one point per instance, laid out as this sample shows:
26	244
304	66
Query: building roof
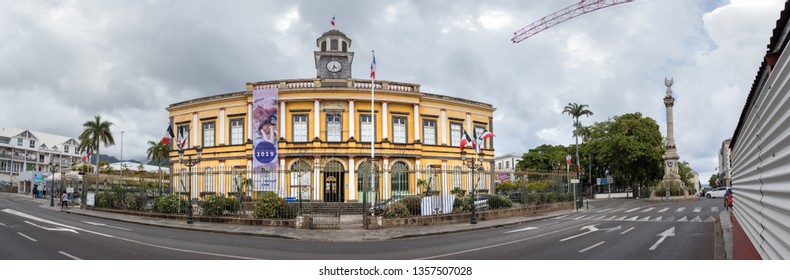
49	140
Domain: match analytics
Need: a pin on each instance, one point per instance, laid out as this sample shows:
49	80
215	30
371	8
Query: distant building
725	164
135	166
26	150
505	165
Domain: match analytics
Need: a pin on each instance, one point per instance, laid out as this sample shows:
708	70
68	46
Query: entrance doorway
334	182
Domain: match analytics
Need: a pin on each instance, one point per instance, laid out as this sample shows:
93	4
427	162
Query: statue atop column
671	158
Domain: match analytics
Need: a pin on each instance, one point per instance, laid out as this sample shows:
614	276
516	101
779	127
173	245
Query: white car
717	192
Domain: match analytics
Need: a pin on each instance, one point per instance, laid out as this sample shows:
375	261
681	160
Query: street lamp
474	163
52	186
190	163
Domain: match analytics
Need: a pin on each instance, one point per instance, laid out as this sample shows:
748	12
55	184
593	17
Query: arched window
364	181
400	179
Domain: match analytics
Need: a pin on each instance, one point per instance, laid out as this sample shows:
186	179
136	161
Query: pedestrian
727	195
64	201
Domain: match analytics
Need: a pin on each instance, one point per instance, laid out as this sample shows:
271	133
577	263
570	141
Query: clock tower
332	59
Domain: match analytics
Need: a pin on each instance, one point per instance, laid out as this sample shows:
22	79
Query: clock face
670	163
333	66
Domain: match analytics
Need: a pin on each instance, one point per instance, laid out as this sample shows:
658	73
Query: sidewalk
348	233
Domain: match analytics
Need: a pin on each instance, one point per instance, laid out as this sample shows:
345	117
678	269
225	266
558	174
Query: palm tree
158	151
95	133
575	111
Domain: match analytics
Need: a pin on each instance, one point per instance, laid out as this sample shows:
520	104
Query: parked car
704	190
715	193
481	201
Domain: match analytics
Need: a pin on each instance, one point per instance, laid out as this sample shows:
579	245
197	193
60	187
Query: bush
538	186
132	202
104	200
413	203
170	204
463	204
271	206
396	210
212	206
499	202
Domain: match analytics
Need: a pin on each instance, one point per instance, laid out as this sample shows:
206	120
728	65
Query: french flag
168	135
182	138
373	66
466	140
86	157
486	134
333	20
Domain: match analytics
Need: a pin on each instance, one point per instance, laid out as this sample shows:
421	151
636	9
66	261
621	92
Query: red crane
572	11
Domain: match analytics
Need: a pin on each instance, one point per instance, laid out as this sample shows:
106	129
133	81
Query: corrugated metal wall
761	166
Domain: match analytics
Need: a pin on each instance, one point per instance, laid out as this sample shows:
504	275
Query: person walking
64	200
727	198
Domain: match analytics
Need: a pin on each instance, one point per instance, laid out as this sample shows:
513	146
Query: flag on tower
168	135
182	138
373	66
465	140
486	134
333	20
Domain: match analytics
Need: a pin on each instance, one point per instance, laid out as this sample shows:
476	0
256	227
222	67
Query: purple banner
265	127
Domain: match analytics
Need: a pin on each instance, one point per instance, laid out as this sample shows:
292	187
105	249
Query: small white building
24	150
135	166
505	166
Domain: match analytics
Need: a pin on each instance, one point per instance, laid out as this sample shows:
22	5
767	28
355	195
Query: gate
369	179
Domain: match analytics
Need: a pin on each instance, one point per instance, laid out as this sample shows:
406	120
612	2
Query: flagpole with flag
372	115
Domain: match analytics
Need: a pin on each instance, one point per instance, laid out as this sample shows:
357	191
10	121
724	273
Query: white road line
593	246
697	209
28	216
603	210
626	231
497	245
579	217
523	229
645	219
590	229
657	219
710	219
28	237
648	209
680	209
621	218
663	210
714	209
52	229
632	219
683	219
598	218
69	255
610	218
632	210
697	219
2	224
664	235
560	217
105	225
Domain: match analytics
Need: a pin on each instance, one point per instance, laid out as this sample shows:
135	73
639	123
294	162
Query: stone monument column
671	175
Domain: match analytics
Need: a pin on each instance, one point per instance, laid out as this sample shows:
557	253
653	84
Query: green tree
576	110
156	152
684	170
631	147
714	181
544	157
95	133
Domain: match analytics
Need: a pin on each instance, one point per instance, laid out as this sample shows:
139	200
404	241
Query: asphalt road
610	230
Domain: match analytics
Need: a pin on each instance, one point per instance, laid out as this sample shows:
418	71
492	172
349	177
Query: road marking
621	218
523	229
633	219
683	219
657	219
105	225
598	218
670	219
593	246
648	209
603	210
53	229
663	210
714	209
496	245
28	216
697	219
28	237
697	209
610	218
579	217
645	219
664	235
560	217
2	224
590	229
626	231
680	209
710	219
69	255
632	210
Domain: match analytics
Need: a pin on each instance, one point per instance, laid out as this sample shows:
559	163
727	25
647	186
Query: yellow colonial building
323	128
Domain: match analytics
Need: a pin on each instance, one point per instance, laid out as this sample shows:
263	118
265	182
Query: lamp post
52	186
474	163
189	162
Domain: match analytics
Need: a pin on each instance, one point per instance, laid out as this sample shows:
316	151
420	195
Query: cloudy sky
63	62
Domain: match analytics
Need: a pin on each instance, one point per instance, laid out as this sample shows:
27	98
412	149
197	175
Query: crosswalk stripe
621	218
657	219
610	218
710	219
579	217
714	209
598	218
697	219
683	219
633	218
645	219
632	210
697	209
560	217
603	210
680	209
663	210
648	209
626	231
670	219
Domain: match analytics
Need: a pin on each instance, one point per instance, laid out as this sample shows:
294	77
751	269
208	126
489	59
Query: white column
195	188
351	120
417	173
443	125
317	119
282	122
221	126
444	178
316	179
385	181
384	121
417	122
282	178
194	130
221	173
251	176
352	184
249	121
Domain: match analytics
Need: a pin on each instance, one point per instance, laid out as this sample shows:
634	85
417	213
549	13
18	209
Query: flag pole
372	116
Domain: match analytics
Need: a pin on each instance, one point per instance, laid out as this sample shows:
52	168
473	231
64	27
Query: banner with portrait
265	135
